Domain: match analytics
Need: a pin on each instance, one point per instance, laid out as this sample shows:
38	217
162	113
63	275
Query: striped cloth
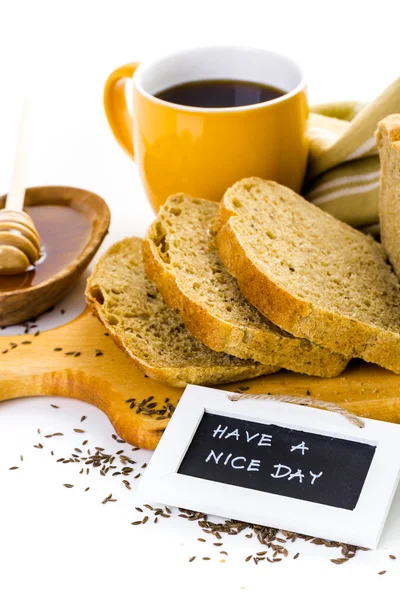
343	167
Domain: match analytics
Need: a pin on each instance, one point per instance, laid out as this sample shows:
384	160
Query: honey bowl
72	224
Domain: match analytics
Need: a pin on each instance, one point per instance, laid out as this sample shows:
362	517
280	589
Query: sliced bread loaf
181	258
139	321
311	274
388	141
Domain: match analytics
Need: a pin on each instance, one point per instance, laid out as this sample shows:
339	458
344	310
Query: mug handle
116	107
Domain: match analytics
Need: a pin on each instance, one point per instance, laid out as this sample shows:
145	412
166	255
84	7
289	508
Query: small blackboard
272	463
270	458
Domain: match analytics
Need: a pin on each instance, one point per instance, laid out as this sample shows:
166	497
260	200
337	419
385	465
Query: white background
59	543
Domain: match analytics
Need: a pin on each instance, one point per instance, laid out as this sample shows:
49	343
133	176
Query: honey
63	232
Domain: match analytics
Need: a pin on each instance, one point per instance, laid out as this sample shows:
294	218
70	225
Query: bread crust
338	333
246	342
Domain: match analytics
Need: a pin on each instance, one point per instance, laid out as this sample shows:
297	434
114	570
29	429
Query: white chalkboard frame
361	526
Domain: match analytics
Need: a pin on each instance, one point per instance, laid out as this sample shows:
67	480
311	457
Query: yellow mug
202	151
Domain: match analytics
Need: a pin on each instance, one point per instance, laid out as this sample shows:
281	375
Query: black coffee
219	93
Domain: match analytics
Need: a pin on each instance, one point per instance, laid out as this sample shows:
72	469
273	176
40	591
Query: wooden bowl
20	298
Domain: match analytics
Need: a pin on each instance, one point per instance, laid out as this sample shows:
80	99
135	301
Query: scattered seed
381	572
192	558
68	485
13	468
97	458
392	556
339	561
54	406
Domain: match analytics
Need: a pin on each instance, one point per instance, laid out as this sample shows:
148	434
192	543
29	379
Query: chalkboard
278	460
273	463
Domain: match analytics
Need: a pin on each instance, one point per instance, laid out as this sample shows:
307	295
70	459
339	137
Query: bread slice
140	323
181	258
388	141
311	274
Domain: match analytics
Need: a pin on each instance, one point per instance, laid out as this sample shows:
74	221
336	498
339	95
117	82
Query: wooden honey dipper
19	240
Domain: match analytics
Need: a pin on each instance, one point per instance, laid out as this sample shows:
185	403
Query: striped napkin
343	165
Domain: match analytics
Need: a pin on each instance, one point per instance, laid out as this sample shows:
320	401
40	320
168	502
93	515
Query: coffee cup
202	150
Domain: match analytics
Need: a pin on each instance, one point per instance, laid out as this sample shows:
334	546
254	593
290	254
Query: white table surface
61	543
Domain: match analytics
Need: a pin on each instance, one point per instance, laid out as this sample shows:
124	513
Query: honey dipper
19	240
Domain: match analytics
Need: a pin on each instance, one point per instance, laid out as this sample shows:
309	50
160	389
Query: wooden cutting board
89	366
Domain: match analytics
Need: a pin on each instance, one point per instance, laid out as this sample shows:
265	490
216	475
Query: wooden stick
16	195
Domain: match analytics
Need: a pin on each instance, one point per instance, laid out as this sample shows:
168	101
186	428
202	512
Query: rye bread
311	274
388	142
152	334
181	258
